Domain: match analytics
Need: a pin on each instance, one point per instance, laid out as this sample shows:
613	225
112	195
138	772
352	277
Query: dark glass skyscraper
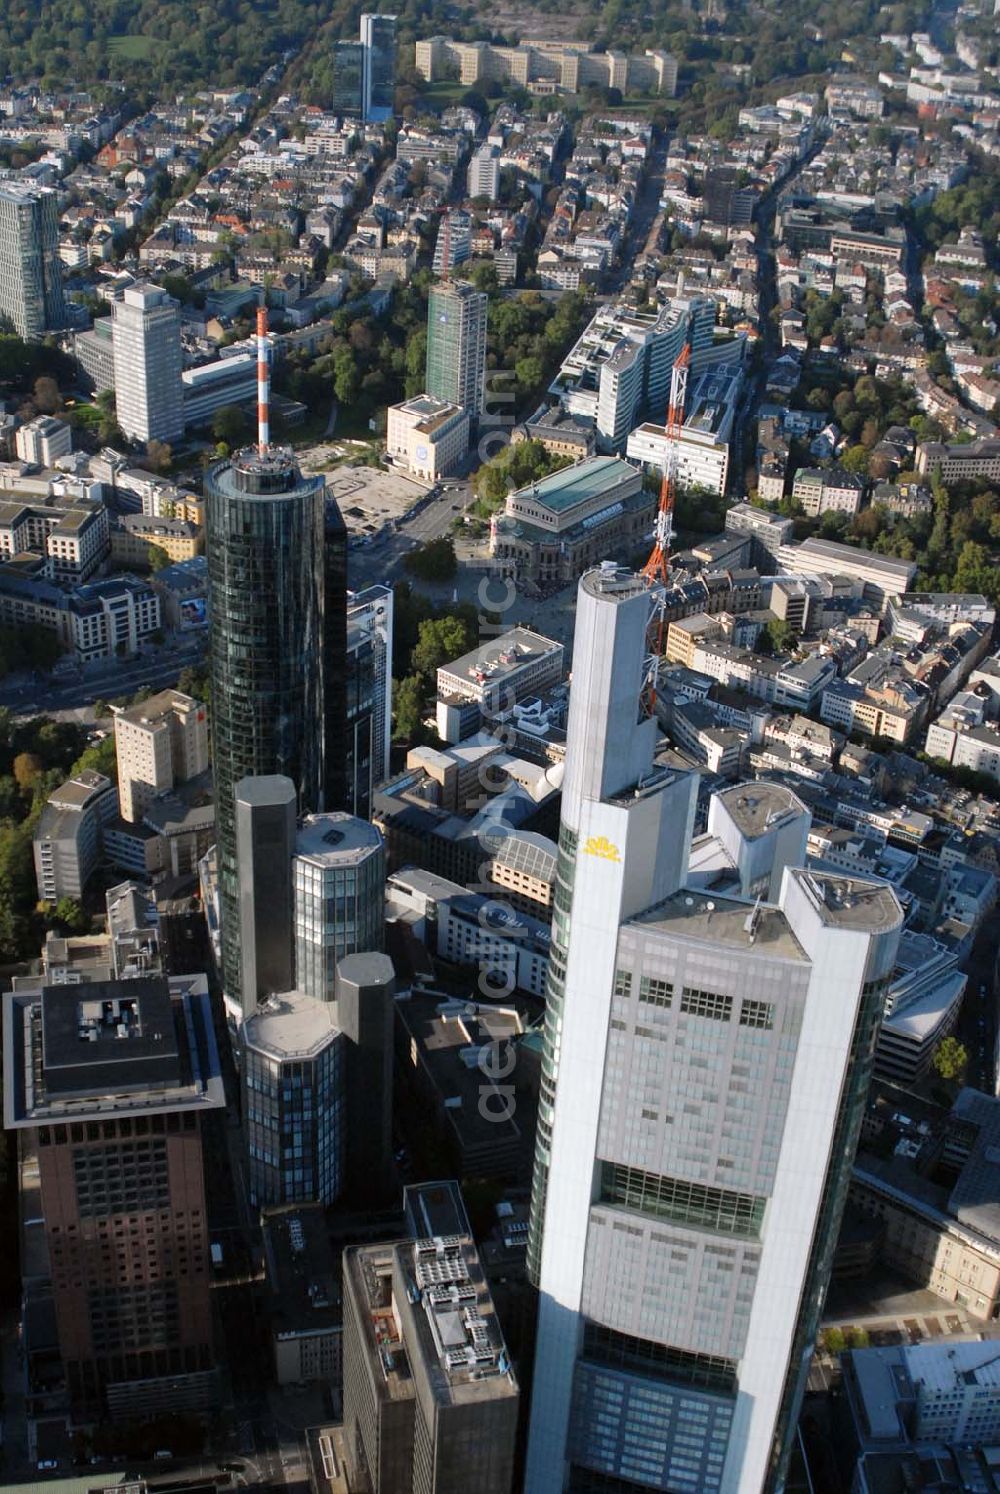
277	588
349	78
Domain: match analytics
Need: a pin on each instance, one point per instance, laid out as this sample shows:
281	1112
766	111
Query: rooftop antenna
263	383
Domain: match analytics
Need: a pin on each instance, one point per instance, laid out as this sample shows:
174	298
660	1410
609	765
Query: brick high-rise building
108	1083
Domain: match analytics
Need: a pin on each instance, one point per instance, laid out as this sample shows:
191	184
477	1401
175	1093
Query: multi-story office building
494	677
689	1179
427	437
378	37
214	386
338	879
160	743
368	707
702	452
456	346
430	1400
42	440
317	1089
277	556
111	1083
68	837
146	332
453	245
349	78
31	291
728	203
265	814
292	1070
619	370
552	66
74	541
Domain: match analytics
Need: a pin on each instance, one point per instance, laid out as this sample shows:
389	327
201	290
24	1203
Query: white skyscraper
378	38
146	335
706	1062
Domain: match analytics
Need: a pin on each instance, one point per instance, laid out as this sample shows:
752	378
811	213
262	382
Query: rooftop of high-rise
252	472
723	920
291	1025
109	1047
758	807
336	838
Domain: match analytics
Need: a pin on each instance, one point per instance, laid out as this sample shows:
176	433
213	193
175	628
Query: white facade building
703	448
690	1173
484	173
146	332
428	437
42	440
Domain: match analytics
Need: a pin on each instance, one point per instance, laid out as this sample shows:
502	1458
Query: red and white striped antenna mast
263	383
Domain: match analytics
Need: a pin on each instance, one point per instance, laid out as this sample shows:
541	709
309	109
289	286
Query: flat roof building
430	1399
426	436
305	1296
158	744
114	1081
68	839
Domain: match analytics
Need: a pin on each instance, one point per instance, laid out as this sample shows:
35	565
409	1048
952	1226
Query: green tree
439	640
230	425
346	380
68	913
408	703
47	398
834	1340
950	1058
435	561
855	459
159	456
157	558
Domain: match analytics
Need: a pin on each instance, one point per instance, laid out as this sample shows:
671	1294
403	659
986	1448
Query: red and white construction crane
658	565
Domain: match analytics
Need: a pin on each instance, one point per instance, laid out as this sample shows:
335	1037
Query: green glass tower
456	345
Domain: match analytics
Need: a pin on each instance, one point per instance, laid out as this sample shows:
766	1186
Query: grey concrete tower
364	987
265	841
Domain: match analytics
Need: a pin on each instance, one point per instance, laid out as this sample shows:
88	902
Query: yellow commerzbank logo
599	845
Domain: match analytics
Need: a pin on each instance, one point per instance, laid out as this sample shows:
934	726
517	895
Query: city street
54	697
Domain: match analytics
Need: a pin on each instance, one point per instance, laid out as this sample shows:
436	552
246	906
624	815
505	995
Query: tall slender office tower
31	291
349	79
146	337
277	560
378	37
706	1063
456	345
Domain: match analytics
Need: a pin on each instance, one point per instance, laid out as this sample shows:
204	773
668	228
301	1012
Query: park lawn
134	48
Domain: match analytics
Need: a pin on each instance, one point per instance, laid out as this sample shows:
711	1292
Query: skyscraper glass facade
348	78
378	36
456	346
276	568
338	882
31	291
